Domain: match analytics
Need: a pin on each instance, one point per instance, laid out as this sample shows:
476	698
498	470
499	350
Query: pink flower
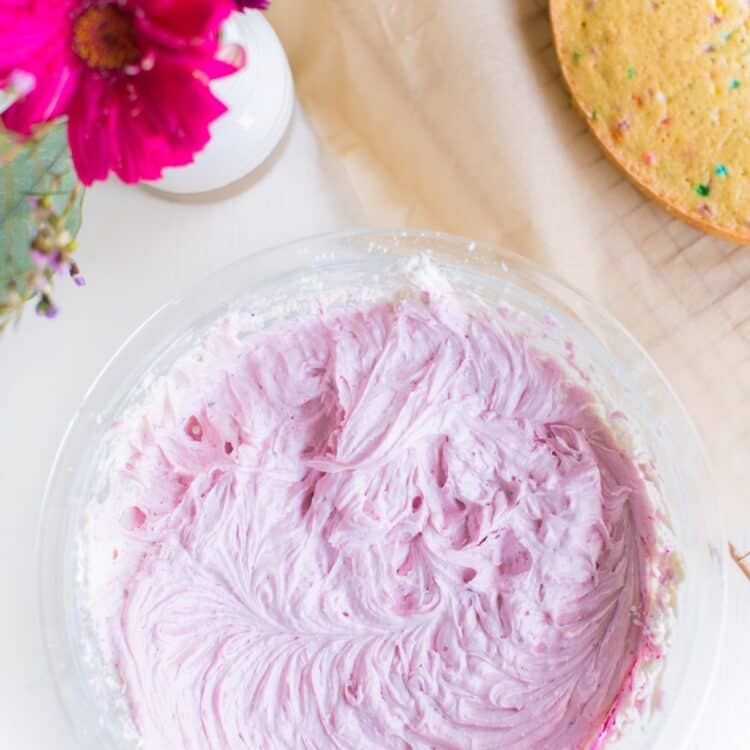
131	75
259	4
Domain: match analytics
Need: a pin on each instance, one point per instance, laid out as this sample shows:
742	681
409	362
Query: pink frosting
395	526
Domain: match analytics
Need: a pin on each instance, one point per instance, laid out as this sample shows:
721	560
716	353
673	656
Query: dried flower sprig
39	217
50	250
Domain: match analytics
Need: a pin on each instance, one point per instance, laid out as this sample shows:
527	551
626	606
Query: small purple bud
40	259
43	260
75	274
47	307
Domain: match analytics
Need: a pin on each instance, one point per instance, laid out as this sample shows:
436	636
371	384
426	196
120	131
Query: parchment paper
453	115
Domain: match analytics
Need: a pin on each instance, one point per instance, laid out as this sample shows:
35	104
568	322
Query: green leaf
37	166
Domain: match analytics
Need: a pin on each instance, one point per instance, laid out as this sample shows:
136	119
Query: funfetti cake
665	87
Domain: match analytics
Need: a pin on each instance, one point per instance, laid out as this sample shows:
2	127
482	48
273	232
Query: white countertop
137	250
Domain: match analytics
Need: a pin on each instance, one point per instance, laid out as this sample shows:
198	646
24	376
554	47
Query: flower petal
232	54
209	66
88	139
181	23
136	126
54	84
258	4
34	40
28	28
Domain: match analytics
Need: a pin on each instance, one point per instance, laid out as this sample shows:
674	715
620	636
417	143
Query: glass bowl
340	261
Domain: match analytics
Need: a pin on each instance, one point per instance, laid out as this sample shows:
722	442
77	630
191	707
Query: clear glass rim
59	483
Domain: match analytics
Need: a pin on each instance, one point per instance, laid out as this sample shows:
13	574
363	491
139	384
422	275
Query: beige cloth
451	114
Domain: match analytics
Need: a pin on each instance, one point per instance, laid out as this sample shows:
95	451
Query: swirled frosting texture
389	526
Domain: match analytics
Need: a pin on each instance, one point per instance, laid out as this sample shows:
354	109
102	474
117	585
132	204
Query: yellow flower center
104	37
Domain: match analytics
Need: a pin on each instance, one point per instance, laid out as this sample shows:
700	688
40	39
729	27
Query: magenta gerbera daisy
131	75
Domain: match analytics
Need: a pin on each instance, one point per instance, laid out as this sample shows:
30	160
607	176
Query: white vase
260	99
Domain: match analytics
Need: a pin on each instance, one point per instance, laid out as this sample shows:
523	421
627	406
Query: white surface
137	250
260	98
